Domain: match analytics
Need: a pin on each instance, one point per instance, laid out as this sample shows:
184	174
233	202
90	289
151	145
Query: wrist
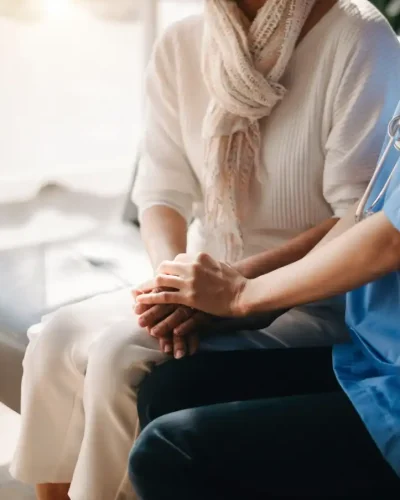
254	298
242	306
243	268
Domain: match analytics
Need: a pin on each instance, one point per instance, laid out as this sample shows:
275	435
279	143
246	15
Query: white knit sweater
320	145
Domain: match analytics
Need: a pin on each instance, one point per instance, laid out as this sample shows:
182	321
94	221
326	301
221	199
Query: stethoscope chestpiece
394	131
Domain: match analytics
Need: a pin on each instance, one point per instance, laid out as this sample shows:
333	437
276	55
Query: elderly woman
264	123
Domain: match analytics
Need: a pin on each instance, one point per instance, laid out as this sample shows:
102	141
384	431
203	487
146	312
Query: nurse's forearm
362	254
164	233
286	254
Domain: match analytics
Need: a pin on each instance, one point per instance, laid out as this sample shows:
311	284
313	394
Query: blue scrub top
368	368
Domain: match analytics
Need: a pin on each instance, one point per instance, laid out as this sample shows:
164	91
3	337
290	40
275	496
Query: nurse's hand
203	283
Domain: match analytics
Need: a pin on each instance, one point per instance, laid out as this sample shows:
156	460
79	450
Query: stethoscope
394	141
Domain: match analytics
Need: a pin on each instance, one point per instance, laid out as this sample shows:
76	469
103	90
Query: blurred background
70	90
70	125
391	9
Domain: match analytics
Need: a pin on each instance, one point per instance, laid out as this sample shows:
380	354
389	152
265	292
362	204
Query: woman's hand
203	283
161	321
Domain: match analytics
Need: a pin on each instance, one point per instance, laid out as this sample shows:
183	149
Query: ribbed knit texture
319	145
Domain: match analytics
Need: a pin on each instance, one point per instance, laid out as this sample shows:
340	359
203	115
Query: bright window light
56	8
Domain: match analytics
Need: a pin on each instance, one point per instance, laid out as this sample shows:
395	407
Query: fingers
192	324
154	315
183	266
169	281
177	297
201	257
184	346
139	309
142	308
166	345
179	347
135	293
193	343
166	326
146	287
173	268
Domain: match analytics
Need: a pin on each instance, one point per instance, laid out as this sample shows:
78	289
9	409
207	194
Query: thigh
100	310
319	324
313	445
76	331
210	378
307	326
121	356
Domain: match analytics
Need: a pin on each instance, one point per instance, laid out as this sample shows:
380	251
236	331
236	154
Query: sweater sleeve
165	176
367	93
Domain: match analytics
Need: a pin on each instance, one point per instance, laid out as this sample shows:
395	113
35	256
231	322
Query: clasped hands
186	295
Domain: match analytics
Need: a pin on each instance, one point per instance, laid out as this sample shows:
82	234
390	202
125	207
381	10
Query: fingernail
179	354
168	349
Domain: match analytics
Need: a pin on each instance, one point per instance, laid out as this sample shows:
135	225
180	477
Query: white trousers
81	372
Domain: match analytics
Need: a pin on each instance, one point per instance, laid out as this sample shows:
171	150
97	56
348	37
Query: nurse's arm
361	254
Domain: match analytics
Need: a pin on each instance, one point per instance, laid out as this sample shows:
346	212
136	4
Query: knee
117	361
159	450
52	347
141	463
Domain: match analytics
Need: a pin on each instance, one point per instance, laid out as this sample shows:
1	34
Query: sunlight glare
56	8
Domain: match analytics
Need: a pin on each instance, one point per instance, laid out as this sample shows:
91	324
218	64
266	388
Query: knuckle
204	258
160	329
180	257
164	298
196	269
155	331
180	314
191	282
186	313
158	283
200	257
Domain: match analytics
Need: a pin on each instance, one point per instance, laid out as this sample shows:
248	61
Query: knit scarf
242	66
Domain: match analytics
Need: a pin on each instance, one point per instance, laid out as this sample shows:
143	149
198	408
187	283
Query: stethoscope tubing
394	141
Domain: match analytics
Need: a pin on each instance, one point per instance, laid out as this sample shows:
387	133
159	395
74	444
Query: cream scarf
242	66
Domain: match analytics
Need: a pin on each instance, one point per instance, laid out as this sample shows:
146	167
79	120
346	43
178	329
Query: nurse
296	426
